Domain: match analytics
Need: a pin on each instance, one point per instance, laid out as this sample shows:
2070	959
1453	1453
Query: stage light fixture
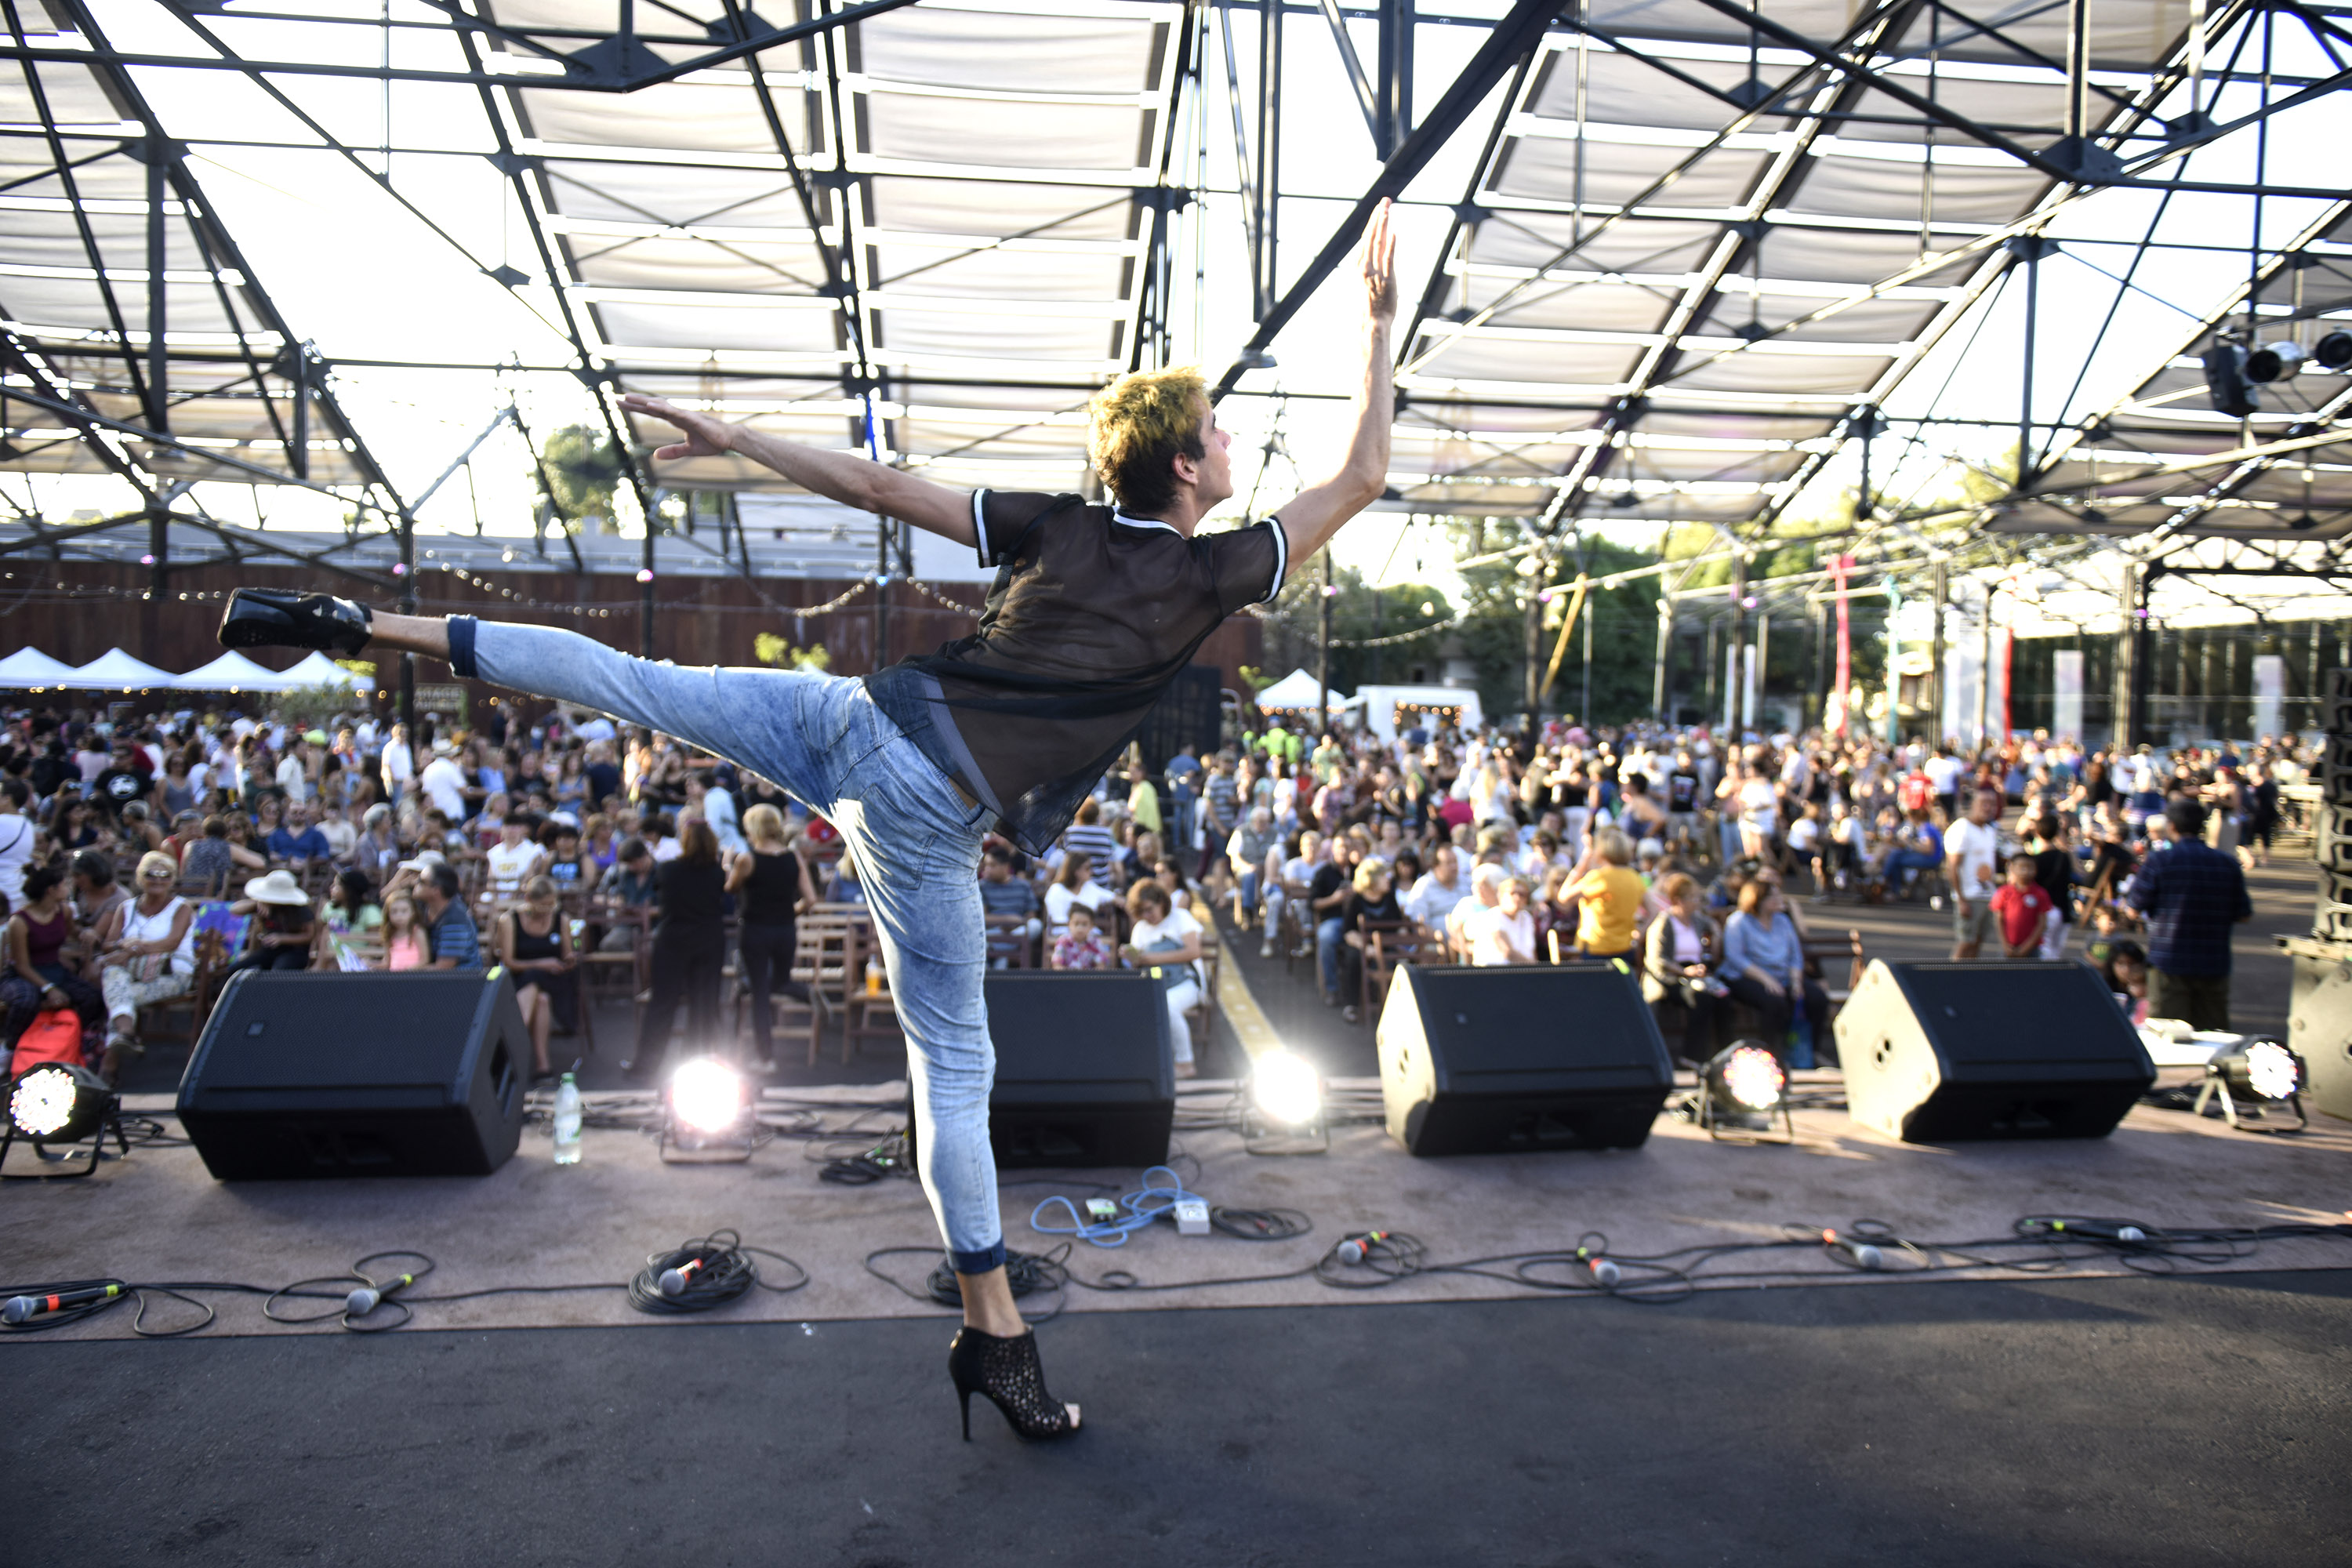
707	1113
1741	1090
2227	385
2332	352
2274	362
1282	1106
55	1103
2255	1078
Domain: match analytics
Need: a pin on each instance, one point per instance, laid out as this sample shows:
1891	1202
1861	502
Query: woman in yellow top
1609	891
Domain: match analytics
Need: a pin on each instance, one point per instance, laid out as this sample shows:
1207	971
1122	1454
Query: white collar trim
1118	516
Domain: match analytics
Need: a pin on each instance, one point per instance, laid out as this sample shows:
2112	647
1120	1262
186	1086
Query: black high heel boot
1006	1372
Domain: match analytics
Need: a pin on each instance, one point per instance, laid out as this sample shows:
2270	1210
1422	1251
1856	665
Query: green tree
583	473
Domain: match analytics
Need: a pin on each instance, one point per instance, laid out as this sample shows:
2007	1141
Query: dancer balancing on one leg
1094	610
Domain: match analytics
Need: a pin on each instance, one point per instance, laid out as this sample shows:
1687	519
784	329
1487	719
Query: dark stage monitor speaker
1942	1053
417	1074
1086	1071
1492	1061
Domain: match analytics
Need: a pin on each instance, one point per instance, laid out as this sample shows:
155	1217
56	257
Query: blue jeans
1328	933
1249	891
918	847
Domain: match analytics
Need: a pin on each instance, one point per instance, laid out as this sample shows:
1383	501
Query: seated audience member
1082	944
352	913
514	860
452	940
1372	902
335	826
844	887
1166	939
40	974
1764	965
96	894
2024	909
153	956
296	840
213	859
138	832
404	945
1608	892
1074	885
1004	894
1436	891
1245	852
629	883
1296	869
535	944
1678	956
1504	932
2124	973
566	865
283	933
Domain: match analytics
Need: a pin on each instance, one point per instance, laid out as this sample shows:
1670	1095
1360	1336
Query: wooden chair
1298	923
1368	991
872	1013
1823	952
194	1004
792	1018
1387	946
624	973
1009	943
826	962
1197	1017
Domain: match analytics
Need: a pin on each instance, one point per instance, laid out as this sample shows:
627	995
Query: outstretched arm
1310	520
836	476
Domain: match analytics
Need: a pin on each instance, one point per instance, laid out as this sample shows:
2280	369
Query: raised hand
705	436
1380	265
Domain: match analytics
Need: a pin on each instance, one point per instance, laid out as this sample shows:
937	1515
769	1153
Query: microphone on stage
21	1309
1864	1254
1604	1273
1356	1249
674	1282
367	1298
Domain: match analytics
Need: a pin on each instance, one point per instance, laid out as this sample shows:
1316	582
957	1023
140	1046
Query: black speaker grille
1515	1021
2037	1013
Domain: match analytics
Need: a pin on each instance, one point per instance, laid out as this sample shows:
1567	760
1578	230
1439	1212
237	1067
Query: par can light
1282	1106
55	1103
1743	1089
2257	1079
707	1113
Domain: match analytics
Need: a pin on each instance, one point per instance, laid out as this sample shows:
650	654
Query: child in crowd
404	938
2023	909
2125	973
1081	944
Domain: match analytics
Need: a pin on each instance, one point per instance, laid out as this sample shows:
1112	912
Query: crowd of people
1690	860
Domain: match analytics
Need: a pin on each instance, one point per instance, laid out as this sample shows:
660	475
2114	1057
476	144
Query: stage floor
159	1216
2057	1424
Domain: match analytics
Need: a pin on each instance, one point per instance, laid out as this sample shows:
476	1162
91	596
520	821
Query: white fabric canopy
232	672
29	668
114	671
1296	689
317	670
1381	702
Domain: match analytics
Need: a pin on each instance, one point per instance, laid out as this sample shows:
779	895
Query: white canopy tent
232	672
1296	691
28	668
115	670
317	669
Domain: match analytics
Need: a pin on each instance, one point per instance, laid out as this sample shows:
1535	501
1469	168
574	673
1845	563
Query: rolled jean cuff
461	647
992	1256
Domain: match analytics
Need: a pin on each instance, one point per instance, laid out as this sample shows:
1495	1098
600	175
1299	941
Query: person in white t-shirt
443	782
1505	933
399	763
514	860
1438	892
1972	857
17	834
1298	871
1168	939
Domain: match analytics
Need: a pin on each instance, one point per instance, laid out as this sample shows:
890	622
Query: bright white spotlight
707	1114
1752	1076
44	1101
1287	1088
707	1095
1282	1107
2272	1071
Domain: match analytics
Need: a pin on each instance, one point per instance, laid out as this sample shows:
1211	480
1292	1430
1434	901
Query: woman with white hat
282	938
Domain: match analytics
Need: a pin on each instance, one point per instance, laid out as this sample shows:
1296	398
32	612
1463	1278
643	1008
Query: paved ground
2048	1424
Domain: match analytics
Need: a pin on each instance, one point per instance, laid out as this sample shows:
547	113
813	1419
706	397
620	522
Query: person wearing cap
282	933
444	782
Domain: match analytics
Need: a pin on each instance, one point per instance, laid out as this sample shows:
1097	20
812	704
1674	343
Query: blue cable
1141	1206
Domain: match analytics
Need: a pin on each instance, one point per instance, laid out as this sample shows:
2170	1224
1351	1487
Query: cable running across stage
1094	611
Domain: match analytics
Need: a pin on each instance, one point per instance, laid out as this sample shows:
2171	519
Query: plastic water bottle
567	1121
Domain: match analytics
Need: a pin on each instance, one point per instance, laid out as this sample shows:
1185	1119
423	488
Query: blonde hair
1615	847
1138	425
1370	870
764	823
156	860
